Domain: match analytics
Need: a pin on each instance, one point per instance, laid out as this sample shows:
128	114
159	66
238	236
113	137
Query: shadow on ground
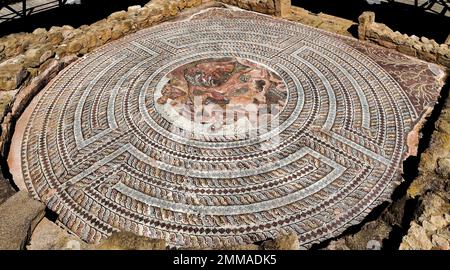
75	15
399	17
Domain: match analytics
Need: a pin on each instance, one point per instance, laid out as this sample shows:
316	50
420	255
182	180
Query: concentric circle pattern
105	148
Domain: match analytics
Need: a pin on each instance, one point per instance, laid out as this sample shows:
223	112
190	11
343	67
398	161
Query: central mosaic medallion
228	128
223	96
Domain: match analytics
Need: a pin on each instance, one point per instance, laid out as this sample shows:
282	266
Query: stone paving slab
19	215
112	143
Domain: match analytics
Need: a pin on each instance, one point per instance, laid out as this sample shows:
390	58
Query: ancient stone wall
24	55
422	48
262	6
272	7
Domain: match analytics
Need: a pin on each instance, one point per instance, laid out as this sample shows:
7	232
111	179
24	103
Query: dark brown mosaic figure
223	86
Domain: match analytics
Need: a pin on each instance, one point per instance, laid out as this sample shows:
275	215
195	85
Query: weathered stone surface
19	215
322	21
11	75
6	99
45	56
119	15
273	7
433	167
441	242
65	33
49	236
6	190
387	44
5	136
15	44
337	245
123	27
443	60
134	9
443	167
2	53
115	34
430	229
284	242
40	31
57	36
424	183
427	56
130	241
37	55
75	45
103	35
370	237
365	20
406	49
284	7
417	238
447	40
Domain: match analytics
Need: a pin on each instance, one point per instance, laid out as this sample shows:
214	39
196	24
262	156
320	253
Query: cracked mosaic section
99	149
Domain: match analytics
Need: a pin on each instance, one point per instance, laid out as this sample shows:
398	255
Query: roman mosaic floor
137	135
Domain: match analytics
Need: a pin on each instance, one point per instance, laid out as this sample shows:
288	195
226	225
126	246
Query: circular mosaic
113	142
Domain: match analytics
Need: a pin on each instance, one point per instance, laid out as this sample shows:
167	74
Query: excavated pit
103	147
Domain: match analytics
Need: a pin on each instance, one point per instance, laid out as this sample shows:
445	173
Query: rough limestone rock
426	182
337	245
430	230
19	215
49	236
285	242
37	55
11	75
6	98
364	20
434	162
430	226
6	190
370	237
416	238
130	241
443	167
